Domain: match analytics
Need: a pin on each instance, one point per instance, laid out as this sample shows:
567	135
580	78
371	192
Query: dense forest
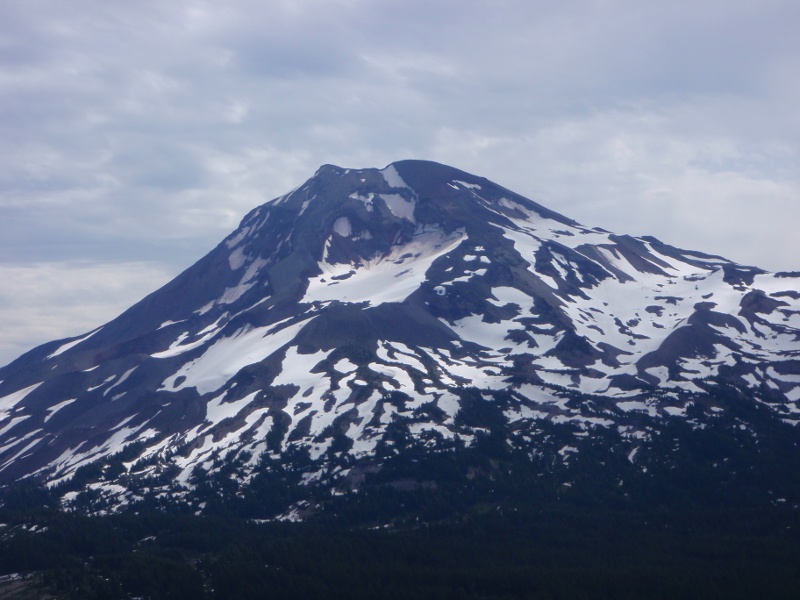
552	553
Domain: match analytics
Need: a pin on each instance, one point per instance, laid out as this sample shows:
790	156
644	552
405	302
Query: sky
135	135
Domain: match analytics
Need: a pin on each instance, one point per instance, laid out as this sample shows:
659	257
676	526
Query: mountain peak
368	302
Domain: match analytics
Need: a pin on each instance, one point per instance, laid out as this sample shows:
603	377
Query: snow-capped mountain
367	302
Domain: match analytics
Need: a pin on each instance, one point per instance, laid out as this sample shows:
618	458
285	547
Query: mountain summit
371	311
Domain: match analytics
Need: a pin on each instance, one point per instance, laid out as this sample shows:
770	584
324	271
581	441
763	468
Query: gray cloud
140	133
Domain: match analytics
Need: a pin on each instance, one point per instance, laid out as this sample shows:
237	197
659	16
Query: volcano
378	316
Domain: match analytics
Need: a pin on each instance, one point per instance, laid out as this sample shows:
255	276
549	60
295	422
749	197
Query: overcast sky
135	135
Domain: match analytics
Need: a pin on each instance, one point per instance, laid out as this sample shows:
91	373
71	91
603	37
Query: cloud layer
139	133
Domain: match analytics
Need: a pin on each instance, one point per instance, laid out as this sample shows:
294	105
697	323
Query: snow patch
233	294
121	380
71	344
237	238
204	309
392	177
342	227
772	373
636	405
510	295
57	407
296	369
366	200
231	354
399	206
390	278
11	400
216	411
345	366
237	258
470	186
8	427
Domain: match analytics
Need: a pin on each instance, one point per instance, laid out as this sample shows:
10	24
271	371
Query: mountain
402	328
